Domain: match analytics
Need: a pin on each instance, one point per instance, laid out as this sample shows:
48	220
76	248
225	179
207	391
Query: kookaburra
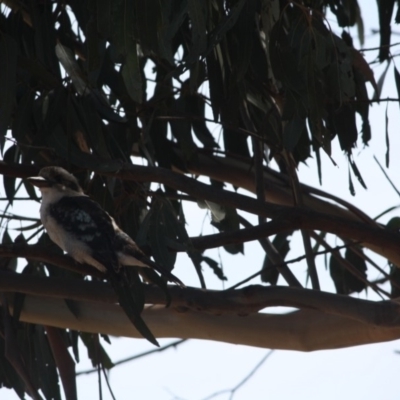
78	225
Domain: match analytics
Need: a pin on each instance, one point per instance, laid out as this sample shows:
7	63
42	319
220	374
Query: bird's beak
39	181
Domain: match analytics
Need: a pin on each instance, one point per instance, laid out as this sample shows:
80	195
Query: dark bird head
57	178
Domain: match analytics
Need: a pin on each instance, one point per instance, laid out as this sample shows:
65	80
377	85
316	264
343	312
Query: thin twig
140	355
387	176
241	383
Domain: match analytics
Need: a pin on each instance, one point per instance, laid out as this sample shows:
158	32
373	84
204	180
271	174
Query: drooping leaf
216	84
397	80
387	140
8	69
345	126
10	156
356	171
196	107
132	75
95	350
269	272
8	263
68	61
225	25
294	130
394	281
345	281
45	365
385	12
198	16
351	185
181	128
218	271
381	81
229	223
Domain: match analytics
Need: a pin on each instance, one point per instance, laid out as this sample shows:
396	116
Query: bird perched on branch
79	225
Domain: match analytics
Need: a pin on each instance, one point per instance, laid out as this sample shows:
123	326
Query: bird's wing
86	221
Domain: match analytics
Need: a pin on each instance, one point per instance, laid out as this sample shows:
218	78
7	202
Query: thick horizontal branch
250	299
303	330
381	241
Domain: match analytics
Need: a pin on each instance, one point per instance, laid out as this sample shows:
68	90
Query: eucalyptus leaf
8	79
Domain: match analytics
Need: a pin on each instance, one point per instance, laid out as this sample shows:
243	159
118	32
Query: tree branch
304	330
248	300
341	223
377	239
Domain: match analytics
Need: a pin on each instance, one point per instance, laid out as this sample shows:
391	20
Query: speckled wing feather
86	221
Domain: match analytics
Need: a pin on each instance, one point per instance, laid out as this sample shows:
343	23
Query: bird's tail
130	304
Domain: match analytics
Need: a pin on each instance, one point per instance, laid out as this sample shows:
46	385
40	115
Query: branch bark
381	241
303	330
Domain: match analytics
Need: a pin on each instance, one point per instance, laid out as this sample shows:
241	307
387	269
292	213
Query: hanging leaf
198	16
397	80
132	75
225	25
228	224
10	156
387	156
356	171
181	128
215	267
68	61
381	81
8	70
95	350
345	281
394	281
269	272
385	12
